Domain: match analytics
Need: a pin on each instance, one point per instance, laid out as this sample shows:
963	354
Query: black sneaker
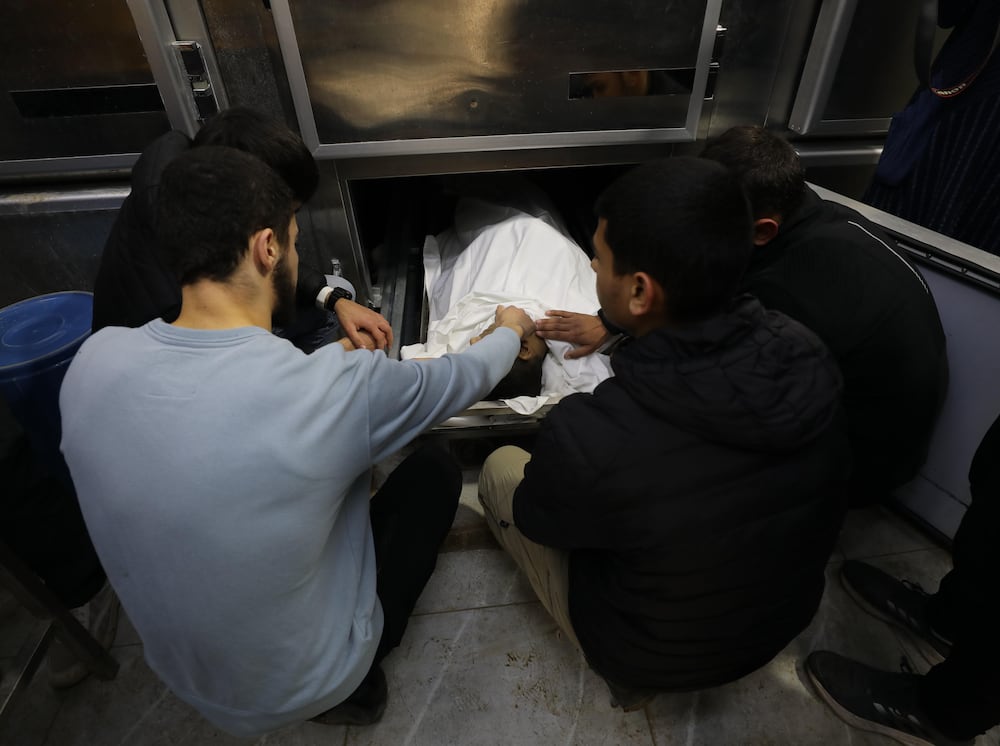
898	602
364	707
873	700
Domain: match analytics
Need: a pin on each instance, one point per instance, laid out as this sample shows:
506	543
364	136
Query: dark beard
284	292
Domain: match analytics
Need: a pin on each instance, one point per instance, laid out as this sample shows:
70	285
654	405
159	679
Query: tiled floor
482	663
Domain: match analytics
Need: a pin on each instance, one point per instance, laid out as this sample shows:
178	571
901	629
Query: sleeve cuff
323	296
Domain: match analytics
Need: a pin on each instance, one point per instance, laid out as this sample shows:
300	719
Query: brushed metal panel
246	48
761	61
51	45
860	68
437	72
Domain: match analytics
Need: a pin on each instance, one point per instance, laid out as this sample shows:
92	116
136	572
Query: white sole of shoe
861	723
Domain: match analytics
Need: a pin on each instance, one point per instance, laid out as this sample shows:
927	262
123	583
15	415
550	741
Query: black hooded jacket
838	274
699	492
134	285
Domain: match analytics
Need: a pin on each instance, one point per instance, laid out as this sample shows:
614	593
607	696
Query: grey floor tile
470	512
307	734
126	634
468	531
482	663
470	489
30	717
876	531
133	708
474	579
776	704
495	676
14	629
771	707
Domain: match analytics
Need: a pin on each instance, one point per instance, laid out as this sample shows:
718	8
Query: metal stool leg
41	602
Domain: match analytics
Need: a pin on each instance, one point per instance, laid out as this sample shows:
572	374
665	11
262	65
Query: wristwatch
335	295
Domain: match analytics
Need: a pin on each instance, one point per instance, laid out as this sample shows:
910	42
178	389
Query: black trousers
311	329
41	523
411	516
962	694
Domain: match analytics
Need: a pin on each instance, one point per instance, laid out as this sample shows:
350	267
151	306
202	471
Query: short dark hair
686	222
271	141
210	201
524	379
767	166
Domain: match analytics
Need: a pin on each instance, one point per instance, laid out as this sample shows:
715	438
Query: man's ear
525	352
765	229
646	295
264	250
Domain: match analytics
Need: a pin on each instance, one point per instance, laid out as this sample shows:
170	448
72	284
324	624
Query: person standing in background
940	166
955	629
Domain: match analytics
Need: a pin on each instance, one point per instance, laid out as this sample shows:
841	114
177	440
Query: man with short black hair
134	284
676	523
224	475
827	266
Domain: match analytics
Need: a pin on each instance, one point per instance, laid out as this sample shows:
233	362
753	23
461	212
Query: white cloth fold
497	255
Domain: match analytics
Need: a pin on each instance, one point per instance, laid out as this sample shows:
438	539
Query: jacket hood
749	378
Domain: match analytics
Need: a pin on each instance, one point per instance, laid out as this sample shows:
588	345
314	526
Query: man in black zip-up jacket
677	522
827	266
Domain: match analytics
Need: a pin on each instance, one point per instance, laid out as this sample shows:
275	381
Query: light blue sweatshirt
224	477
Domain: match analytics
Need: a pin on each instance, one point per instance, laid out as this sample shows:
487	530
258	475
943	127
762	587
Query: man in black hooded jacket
677	521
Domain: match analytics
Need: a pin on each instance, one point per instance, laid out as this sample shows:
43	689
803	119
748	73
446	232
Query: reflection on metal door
431	76
92	84
79	91
859	71
177	44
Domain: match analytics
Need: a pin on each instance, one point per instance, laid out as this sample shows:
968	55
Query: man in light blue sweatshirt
224	475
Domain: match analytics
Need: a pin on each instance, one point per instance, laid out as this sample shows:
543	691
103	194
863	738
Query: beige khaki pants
547	569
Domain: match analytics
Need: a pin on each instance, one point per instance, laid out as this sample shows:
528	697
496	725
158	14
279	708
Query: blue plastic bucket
38	339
